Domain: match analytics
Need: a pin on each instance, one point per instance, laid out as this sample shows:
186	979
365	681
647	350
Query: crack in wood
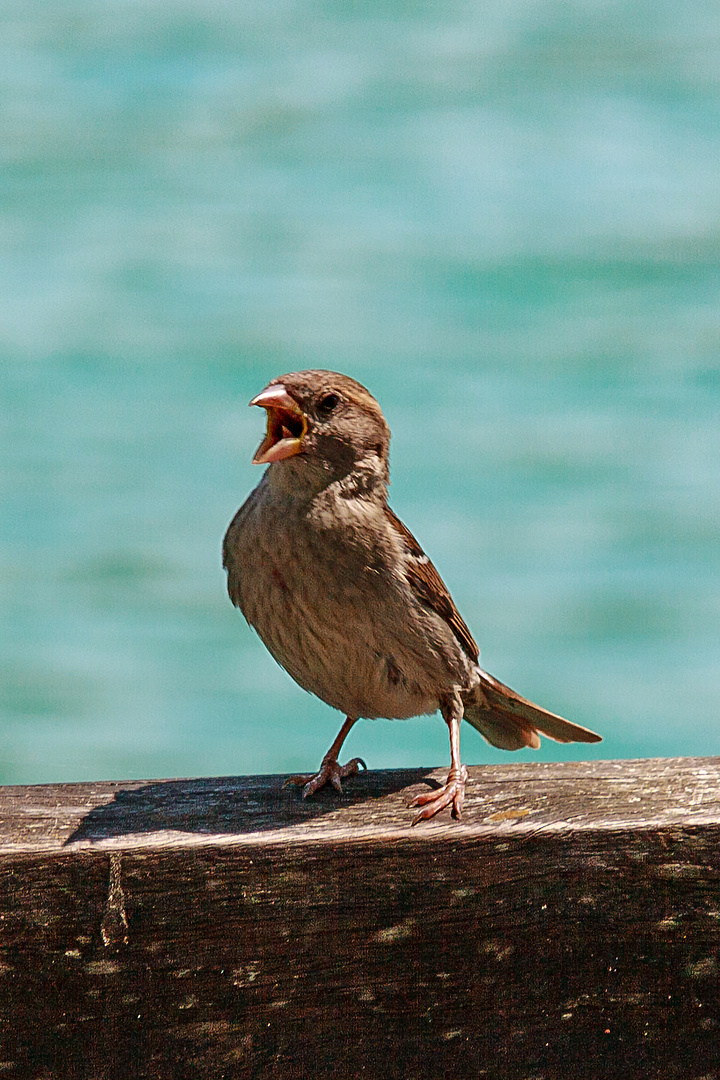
114	925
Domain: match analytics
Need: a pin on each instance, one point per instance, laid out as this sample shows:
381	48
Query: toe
458	801
352	767
451	794
426	797
330	772
433	806
335	779
298	780
314	783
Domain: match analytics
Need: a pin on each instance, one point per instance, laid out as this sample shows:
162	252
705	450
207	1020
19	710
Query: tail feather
510	722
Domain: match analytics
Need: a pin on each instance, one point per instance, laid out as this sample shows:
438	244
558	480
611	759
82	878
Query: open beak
286	425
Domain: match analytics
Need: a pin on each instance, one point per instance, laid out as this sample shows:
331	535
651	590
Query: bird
345	598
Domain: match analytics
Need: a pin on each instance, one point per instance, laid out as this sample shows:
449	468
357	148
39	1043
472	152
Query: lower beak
286	425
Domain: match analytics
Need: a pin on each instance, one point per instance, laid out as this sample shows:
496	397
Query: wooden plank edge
519	800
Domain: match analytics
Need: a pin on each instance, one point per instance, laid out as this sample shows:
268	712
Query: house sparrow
343	595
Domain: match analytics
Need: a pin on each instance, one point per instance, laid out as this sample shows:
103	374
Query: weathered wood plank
568	927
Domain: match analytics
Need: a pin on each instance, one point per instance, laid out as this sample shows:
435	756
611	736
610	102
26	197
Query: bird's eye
327	404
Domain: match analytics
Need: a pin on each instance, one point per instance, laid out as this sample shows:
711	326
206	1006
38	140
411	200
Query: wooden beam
569	926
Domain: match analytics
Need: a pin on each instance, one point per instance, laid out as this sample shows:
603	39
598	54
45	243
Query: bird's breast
332	613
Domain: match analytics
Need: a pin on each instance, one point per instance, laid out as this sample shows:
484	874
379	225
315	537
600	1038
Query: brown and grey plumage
344	597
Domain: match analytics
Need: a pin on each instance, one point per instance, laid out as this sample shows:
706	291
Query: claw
330	772
452	793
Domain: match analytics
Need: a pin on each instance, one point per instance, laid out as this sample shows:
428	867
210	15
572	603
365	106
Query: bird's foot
451	794
330	772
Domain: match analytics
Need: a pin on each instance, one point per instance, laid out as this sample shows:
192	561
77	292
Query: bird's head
322	421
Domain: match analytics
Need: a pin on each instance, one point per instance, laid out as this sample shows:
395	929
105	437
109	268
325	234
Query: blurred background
504	218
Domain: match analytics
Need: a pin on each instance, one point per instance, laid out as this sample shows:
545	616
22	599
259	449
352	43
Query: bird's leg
453	791
330	771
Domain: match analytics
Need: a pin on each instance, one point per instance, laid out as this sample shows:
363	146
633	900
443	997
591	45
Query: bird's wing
430	588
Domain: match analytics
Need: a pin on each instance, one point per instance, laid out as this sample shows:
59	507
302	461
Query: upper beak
286	425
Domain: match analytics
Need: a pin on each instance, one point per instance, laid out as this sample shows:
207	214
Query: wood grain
568	927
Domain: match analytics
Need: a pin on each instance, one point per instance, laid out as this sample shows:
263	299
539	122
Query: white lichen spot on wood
244	976
707	968
391	934
102	967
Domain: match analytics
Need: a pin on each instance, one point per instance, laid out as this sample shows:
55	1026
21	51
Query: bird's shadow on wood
238	805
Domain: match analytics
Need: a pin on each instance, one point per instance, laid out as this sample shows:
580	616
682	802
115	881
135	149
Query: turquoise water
503	218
